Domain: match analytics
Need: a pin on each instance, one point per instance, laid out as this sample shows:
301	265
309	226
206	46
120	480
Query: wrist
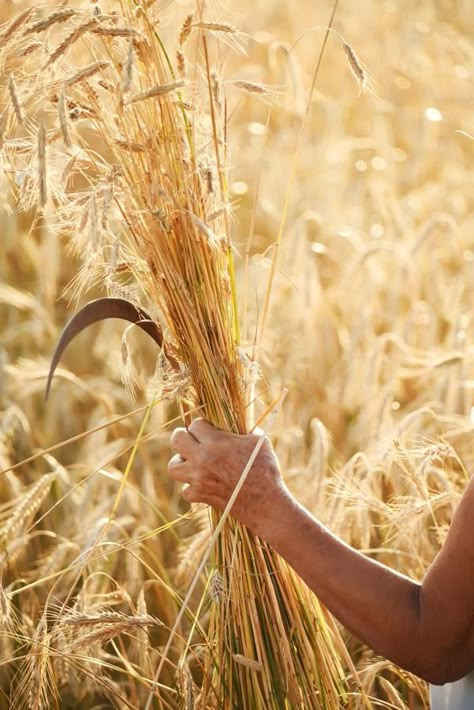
271	520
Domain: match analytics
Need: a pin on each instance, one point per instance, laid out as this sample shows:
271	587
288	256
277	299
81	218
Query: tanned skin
426	628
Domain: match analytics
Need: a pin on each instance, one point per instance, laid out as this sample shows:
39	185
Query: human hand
210	462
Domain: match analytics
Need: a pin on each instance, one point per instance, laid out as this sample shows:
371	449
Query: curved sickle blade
98	310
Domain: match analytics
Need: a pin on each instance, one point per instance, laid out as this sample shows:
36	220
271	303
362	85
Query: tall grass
150	209
369	326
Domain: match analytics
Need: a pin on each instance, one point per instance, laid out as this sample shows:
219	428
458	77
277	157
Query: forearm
375	603
427	628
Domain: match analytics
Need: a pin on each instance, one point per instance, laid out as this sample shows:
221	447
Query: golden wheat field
282	192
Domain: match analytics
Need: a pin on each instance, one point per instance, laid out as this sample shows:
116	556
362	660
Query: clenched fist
210	463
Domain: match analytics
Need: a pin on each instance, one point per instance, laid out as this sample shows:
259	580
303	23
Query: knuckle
258	433
201	426
176	437
201	456
195	425
251	440
198	490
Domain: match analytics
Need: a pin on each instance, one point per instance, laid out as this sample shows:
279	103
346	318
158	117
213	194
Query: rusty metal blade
98	310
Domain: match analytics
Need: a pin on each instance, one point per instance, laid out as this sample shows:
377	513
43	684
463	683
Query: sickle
98	310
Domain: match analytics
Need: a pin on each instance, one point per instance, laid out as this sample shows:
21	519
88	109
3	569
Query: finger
202	430
190	495
182	442
179	470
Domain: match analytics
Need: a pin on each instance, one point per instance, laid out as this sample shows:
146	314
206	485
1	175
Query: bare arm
426	628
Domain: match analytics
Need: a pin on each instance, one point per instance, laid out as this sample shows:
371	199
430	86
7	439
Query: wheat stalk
14	100
163	219
87	72
356	66
16	24
64	125
71	39
52	19
156	91
26	509
42	176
